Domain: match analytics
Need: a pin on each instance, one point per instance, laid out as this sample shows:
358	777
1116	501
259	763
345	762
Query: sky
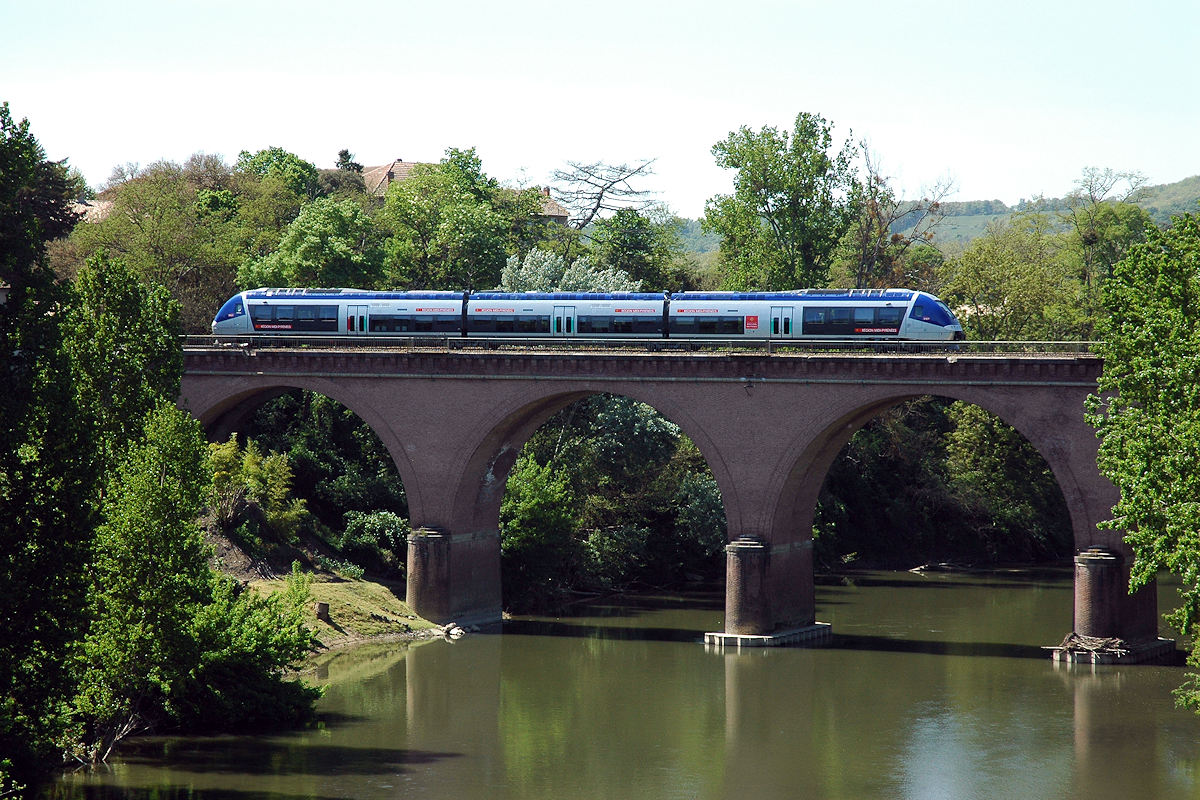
1006	100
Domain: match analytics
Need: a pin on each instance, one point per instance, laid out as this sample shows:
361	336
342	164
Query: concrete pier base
816	634
1158	651
1111	625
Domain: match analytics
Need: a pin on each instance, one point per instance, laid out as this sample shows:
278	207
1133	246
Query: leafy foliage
338	463
538	550
1014	283
543	271
122	338
378	539
297	174
646	246
169	642
646	508
790	205
934	480
1147	413
331	243
47	466
251	495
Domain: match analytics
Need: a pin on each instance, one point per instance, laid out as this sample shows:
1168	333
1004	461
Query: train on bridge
868	314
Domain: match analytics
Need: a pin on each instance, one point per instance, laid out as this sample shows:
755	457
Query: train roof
803	294
356	294
566	296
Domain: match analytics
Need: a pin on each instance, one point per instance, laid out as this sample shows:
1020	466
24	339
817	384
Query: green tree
1147	414
170	642
1010	500
646	246
791	204
175	225
149	577
338	463
443	235
1014	283
297	174
331	243
35	201
538	550
123	340
47	472
251	495
346	162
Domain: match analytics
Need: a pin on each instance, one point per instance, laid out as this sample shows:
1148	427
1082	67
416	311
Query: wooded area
115	622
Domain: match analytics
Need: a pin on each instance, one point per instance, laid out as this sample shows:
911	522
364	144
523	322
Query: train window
864	316
787	326
774	326
918	311
262	313
888	316
647	324
283	313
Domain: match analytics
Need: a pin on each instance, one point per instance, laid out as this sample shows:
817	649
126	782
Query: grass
358	610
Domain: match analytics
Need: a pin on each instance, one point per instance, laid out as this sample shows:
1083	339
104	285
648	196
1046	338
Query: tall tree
1147	414
446	233
123	340
646	245
792	202
1103	223
1014	282
174	225
885	229
299	175
35	201
47	474
331	243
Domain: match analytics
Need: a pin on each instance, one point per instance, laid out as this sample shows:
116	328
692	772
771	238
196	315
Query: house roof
378	179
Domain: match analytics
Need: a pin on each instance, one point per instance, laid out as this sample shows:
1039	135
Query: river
936	686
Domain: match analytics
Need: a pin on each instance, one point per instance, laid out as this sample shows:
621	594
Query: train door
357	319
564	321
781	322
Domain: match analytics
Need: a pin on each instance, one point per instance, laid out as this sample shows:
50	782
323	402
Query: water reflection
935	686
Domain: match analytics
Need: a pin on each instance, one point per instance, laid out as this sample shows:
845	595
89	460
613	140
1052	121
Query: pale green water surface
935	687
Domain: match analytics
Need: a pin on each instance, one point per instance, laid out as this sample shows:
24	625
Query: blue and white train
869	314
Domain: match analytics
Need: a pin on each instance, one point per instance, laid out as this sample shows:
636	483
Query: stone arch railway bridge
769	425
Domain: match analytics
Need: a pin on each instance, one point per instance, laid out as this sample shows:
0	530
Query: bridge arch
502	433
769	426
227	407
1046	428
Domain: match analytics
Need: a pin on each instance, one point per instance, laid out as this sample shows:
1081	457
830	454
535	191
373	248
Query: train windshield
233	308
931	310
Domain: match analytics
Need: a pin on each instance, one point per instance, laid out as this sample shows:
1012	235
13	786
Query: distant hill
965	221
968	220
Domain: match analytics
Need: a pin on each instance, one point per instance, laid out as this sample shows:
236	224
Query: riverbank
358	611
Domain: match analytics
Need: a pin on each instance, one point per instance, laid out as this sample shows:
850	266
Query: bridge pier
1105	610
454	578
769	596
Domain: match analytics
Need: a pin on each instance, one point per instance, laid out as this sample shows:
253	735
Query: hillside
965	221
968	220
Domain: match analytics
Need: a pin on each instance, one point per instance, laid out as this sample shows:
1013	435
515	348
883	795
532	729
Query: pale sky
1009	100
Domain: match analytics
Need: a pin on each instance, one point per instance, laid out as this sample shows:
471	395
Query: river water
935	686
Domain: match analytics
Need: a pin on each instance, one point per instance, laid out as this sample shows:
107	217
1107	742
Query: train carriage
812	314
332	312
635	315
824	314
